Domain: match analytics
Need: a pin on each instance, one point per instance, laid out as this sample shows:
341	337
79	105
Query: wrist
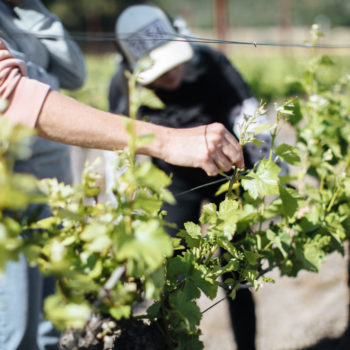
158	148
162	144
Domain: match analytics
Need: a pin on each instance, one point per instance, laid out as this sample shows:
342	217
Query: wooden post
220	21
285	9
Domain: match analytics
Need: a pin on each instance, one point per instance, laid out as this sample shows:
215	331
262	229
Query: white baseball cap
145	30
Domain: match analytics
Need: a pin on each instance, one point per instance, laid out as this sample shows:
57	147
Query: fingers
224	150
234	151
210	168
211	147
222	161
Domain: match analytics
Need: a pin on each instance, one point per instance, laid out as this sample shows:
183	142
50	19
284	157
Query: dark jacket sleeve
230	87
118	95
232	80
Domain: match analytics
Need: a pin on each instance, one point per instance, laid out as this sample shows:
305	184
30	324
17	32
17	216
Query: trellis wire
110	37
200	187
215	182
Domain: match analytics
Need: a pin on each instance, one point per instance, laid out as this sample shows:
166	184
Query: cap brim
165	58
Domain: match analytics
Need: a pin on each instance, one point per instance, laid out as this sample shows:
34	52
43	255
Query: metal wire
199	187
110	37
241	286
213	305
225	178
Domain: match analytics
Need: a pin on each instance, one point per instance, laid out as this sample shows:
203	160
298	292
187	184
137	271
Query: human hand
210	147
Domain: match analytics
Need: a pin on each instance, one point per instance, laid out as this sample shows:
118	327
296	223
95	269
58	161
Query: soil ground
293	313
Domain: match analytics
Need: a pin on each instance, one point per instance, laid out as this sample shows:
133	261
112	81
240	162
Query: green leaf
228	246
147	97
18	190
149	203
232	265
228	217
207	285
314	256
96	236
224	188
247	217
179	265
66	315
187	309
288	153
229	211
208	214
252	257
193	230
191	290
47	222
289	199
153	310
261	128
325	60
154	284
281	239
189	342
264	181
192	234
120	312
251	276
149	245
148	175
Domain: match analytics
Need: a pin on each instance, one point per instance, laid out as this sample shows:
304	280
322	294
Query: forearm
210	147
66	120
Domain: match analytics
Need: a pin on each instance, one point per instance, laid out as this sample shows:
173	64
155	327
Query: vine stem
110	284
241	286
232	181
333	199
210	255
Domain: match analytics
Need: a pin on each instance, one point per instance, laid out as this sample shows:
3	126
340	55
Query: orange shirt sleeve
25	96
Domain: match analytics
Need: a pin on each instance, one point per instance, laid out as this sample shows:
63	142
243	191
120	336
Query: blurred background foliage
271	72
76	14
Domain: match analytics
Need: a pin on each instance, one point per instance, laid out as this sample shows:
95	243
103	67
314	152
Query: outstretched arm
60	118
210	147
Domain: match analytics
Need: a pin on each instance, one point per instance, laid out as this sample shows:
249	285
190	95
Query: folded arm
67	62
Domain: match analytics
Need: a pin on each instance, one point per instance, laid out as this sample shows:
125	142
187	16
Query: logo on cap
147	38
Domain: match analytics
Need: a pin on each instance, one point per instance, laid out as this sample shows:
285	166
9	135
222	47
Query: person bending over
198	86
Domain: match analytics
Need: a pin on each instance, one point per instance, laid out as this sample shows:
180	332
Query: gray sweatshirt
36	36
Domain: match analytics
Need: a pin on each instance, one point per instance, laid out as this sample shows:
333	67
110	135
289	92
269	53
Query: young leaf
264	181
288	153
187	309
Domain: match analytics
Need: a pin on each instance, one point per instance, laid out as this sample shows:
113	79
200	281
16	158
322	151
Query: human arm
61	118
66	60
210	147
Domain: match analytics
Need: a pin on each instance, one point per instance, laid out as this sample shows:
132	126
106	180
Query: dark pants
187	208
